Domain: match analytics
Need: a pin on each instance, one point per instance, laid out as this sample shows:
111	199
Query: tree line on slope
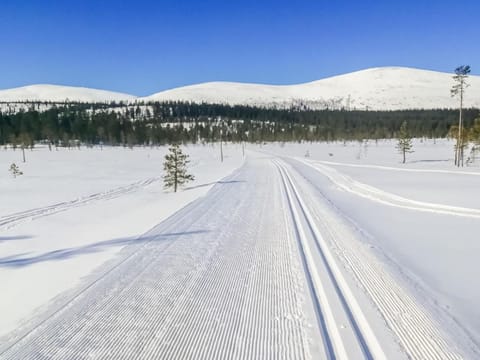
182	122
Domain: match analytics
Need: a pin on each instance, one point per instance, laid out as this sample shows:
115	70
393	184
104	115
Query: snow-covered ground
345	254
74	209
422	217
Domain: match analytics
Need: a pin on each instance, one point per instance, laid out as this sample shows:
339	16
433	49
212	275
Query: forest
66	124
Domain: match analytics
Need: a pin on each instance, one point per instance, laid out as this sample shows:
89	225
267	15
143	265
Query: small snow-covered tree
475	131
25	142
404	144
15	170
175	167
474	137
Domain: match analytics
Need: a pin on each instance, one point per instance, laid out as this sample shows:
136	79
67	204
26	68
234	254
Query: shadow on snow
15	237
20	260
214	183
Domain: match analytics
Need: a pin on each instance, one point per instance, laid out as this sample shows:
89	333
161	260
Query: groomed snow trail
254	270
345	330
417	333
218	280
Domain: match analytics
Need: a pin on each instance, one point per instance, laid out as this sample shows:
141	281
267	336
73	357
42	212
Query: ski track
224	287
346	326
9	221
392	168
350	185
417	333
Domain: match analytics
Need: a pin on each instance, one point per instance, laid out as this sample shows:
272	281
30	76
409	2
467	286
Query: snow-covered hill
386	88
58	93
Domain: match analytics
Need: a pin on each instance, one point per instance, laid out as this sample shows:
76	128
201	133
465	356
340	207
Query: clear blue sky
142	47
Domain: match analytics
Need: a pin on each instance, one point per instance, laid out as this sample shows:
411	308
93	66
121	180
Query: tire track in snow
417	334
350	185
344	327
9	221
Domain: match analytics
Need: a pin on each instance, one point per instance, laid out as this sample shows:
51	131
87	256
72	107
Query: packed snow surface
345	254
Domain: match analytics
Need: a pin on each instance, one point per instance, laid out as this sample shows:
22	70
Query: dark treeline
161	123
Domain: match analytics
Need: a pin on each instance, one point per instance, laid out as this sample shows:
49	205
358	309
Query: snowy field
74	209
346	253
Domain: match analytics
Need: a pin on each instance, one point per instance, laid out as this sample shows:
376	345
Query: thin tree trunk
221	150
460	124
23	153
456	153
176	174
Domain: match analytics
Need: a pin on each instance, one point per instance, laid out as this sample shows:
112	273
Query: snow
222	278
422	218
385	88
72	210
59	93
347	253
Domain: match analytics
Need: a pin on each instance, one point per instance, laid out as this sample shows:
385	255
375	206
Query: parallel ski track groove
332	351
412	333
329	350
414	330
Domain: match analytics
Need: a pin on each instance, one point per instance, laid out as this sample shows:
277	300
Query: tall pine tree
175	167
460	78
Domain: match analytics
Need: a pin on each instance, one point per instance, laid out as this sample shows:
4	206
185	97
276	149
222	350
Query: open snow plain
345	254
74	209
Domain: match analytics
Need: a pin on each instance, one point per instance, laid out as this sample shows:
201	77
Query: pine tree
404	144
460	78
15	170
175	167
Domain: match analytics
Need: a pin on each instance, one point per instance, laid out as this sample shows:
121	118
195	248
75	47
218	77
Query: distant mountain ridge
59	93
384	88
